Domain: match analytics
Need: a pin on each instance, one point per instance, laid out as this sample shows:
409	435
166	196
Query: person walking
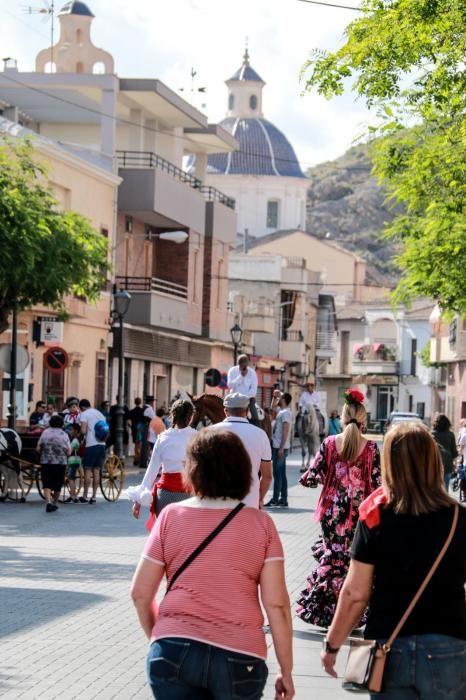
446	441
206	636
334	423
255	441
348	466
54	450
242	379
281	440
402	529
169	455
95	429
146	438
135	417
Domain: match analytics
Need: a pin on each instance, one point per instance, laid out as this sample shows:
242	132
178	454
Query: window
100	373
272	213
253	102
80	67
231	102
413	356
128	224
79	40
344	352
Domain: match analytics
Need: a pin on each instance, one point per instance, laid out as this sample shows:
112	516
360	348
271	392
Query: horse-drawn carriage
20	469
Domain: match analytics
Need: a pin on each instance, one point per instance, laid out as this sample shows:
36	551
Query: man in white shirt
242	379
94	452
309	397
281	441
256	443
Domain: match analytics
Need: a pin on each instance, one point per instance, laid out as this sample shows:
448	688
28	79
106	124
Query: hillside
346	205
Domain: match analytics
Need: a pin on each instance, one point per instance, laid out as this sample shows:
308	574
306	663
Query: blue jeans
426	667
280	482
184	669
446	480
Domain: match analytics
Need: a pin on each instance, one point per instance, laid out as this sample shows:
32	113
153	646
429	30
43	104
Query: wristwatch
328	649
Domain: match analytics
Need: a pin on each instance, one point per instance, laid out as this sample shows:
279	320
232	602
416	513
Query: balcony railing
294	261
293	336
214	195
148	159
152	284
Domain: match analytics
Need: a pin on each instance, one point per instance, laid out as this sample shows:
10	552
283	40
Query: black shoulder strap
204	544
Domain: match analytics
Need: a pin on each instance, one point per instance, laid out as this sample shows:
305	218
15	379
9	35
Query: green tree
407	59
45	254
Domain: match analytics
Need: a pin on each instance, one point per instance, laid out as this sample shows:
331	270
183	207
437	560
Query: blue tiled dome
74	7
264	150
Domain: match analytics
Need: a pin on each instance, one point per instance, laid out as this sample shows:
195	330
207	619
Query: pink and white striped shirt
215	600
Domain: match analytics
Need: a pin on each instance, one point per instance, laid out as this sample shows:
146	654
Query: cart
29	469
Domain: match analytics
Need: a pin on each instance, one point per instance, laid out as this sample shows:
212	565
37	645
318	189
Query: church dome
74	7
264	150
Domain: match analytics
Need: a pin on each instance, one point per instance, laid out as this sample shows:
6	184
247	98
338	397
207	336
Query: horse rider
311	399
242	379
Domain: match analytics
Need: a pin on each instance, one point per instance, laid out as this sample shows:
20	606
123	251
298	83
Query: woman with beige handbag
409	564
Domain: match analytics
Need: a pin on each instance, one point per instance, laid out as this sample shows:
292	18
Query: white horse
307	427
10	476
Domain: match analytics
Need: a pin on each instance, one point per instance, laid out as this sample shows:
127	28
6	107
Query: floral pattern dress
345	486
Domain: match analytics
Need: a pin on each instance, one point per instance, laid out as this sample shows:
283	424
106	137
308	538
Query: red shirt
215	600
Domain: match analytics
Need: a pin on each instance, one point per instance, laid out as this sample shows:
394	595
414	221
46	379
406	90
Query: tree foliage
45	254
406	58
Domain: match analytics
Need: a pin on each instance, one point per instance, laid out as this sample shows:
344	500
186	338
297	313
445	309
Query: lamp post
14	344
236	333
121	302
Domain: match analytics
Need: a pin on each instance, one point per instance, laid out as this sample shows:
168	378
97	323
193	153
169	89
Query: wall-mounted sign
22	358
56	360
51	331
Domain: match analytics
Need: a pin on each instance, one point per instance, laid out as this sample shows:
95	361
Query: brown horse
210	407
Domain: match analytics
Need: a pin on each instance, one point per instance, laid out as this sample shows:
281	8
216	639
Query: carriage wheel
112	478
39	485
66	490
28	477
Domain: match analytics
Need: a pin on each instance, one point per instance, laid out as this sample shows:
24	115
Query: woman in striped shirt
206	637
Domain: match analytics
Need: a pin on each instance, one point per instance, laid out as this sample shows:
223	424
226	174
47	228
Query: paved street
68	629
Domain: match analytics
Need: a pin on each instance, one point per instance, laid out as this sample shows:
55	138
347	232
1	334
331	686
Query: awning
357	347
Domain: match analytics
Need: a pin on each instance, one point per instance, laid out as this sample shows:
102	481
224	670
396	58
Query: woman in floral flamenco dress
348	466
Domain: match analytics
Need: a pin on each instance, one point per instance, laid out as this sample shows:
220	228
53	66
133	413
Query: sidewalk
68	629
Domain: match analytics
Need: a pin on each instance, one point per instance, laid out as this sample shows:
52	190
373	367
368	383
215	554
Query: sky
166	39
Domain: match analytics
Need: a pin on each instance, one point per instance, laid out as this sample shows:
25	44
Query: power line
128	122
331	4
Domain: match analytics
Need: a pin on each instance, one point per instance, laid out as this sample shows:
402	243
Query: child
74	460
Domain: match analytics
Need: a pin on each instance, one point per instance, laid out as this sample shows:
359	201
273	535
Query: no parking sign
56	360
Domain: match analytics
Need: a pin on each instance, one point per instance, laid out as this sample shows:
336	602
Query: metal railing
152	284
292	336
326	340
149	159
294	261
213	194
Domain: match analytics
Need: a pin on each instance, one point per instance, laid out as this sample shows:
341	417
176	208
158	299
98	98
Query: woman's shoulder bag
366	659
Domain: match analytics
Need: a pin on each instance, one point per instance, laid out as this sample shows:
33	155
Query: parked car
401	417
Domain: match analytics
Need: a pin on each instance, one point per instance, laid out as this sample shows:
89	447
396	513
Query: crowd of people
382	526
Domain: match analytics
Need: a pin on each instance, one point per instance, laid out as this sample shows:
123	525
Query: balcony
259	318
161	303
292	346
326	344
162	194
374	366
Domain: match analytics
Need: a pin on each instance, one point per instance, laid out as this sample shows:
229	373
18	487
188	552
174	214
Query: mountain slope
345	204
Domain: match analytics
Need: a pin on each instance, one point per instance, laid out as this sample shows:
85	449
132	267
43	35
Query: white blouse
169	453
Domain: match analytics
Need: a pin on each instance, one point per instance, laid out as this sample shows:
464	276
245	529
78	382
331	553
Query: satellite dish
22	358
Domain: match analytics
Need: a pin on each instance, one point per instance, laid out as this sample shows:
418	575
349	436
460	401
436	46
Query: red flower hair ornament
354	396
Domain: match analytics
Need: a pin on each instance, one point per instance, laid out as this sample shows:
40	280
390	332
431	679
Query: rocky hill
346	205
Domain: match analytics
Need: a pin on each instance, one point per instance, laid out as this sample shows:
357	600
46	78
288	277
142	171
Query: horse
10	476
307	427
209	407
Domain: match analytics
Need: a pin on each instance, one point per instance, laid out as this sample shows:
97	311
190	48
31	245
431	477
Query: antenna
48	12
194	89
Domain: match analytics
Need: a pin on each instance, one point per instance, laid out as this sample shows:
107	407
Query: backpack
101	430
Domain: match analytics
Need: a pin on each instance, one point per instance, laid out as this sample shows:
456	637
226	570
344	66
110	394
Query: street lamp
121	302
236	333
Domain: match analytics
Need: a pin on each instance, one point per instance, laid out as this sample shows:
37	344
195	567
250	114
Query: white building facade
263	176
